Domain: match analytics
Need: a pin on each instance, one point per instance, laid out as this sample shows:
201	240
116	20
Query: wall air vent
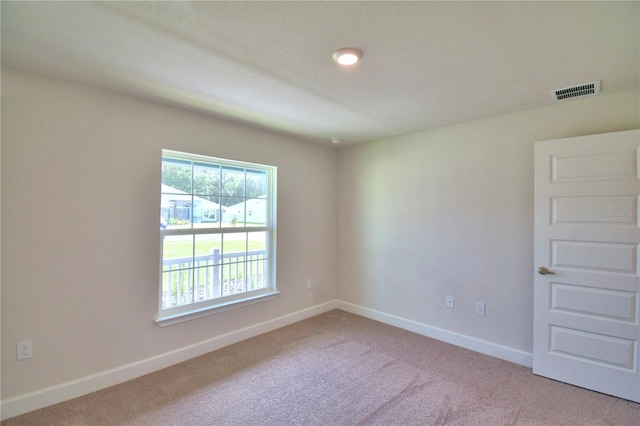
584	89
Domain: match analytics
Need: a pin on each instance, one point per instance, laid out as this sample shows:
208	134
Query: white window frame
184	312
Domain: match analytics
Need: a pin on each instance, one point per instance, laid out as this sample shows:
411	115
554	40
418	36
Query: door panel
620	305
586	311
572	167
594	255
592	347
594	210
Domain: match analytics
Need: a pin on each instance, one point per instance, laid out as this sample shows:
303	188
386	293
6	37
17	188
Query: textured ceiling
425	65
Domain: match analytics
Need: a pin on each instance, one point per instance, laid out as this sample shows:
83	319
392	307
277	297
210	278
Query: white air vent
584	89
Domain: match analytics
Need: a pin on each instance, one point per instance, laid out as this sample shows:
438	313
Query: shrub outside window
217	224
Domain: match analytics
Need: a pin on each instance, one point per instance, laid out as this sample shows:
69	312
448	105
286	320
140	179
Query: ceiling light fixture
336	140
347	56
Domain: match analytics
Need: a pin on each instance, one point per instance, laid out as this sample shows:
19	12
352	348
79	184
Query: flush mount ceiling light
347	56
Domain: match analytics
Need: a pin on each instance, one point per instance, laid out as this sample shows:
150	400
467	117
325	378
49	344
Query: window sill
176	318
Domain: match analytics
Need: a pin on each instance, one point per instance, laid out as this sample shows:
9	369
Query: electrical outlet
450	302
480	308
309	285
25	351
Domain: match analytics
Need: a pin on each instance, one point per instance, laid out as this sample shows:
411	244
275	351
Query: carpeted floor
340	369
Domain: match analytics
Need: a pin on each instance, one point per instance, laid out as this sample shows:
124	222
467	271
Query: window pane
206	179
257	241
176	200
177	211
232	211
257	261
256	212
206	212
233	278
234	246
177	247
232	200
256	183
209	245
234	251
177	279
176	176
207	260
232	182
256	272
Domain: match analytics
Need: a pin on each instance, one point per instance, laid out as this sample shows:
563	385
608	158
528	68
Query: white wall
450	212
80	242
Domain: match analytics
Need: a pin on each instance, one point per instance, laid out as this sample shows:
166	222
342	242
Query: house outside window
218	235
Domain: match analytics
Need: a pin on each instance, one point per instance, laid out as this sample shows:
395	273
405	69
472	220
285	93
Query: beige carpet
340	369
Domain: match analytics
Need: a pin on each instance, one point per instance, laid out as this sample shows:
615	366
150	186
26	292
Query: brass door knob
544	271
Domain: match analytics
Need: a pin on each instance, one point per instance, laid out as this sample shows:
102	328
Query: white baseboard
482	346
25	403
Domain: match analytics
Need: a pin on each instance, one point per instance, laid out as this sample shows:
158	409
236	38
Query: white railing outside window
189	280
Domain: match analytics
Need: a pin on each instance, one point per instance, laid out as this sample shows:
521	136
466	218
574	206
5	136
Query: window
217	224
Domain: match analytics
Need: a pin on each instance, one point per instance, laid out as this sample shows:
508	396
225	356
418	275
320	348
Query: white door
586	302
